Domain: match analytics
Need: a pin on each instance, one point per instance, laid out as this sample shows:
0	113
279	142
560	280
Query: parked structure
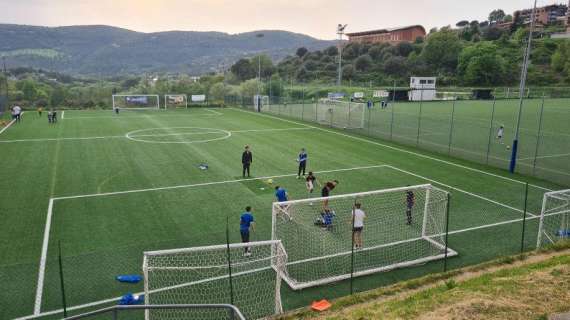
393	35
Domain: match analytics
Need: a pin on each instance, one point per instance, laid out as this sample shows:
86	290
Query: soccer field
108	187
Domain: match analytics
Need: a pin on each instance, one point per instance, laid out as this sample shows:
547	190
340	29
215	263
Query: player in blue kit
246	224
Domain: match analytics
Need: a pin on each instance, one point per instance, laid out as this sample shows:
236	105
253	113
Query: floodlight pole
340	32
5	83
522	86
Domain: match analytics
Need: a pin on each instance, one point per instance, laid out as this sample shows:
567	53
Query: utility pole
340	31
522	86
5	86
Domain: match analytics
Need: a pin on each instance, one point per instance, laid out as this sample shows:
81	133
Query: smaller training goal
136	101
403	227
341	114
172	101
216	274
260	103
554	223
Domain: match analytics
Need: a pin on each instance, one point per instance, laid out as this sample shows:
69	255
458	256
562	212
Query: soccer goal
260	103
403	227
341	114
554	223
215	274
136	101
175	101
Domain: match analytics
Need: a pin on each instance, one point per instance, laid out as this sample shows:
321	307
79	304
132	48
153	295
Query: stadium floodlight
216	274
340	32
136	101
318	254
554	218
341	114
175	101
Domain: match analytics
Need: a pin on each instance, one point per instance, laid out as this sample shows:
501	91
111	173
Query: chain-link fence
476	130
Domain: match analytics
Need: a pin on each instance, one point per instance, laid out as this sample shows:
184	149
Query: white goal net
260	103
403	227
341	114
136	101
201	275
554	223
172	101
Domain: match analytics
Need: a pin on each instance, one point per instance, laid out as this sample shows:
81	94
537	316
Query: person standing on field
246	160
358	217
246	224
302	159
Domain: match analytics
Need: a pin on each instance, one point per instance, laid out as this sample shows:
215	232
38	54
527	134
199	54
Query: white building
422	88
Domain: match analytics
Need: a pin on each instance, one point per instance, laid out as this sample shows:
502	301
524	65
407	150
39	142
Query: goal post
403	227
341	114
136	101
554	222
216	274
175	101
260	103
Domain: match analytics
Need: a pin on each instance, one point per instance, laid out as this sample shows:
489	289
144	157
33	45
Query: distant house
393	35
544	16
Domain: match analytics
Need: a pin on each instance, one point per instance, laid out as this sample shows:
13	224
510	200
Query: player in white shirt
17	113
500	134
358	216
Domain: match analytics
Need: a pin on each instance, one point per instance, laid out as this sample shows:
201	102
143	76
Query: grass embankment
532	286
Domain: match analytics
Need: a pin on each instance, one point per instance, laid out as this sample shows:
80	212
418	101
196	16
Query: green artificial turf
172	203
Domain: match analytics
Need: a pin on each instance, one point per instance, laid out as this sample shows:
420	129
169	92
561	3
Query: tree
58	96
497	15
249	88
267	67
331	51
363	63
243	70
29	89
462	23
442	50
492	33
508	18
395	66
480	65
404	48
301	52
560	61
348	72
218	92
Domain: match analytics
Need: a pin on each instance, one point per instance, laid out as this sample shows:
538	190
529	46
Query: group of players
327	214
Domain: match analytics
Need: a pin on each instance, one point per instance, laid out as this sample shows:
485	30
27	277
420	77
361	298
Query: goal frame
277	262
166	96
544	214
295	285
350	115
157	107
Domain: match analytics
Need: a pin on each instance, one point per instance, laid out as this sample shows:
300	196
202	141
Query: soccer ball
269	181
508	147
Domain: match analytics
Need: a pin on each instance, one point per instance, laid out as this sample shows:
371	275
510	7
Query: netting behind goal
202	275
403	227
554	218
136	102
341	114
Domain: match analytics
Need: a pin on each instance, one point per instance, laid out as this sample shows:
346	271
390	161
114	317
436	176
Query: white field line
149	135
214	111
547	156
43	259
460	190
7	126
395	148
146	116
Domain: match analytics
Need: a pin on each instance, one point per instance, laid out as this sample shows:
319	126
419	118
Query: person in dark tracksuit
410	202
246	160
302	159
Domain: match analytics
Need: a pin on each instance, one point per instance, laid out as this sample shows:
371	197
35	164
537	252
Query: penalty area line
43	258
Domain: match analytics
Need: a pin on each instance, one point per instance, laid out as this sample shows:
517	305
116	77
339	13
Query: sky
317	18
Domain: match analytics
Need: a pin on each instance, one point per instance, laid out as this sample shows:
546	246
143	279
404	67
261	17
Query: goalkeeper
326	192
246	223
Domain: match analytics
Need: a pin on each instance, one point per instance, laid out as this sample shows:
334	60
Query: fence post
524	216
393	107
352	250
61	281
446	231
229	258
303	104
490	131
451	126
538	135
420	116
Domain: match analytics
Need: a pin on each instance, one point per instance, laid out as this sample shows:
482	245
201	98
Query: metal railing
233	311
